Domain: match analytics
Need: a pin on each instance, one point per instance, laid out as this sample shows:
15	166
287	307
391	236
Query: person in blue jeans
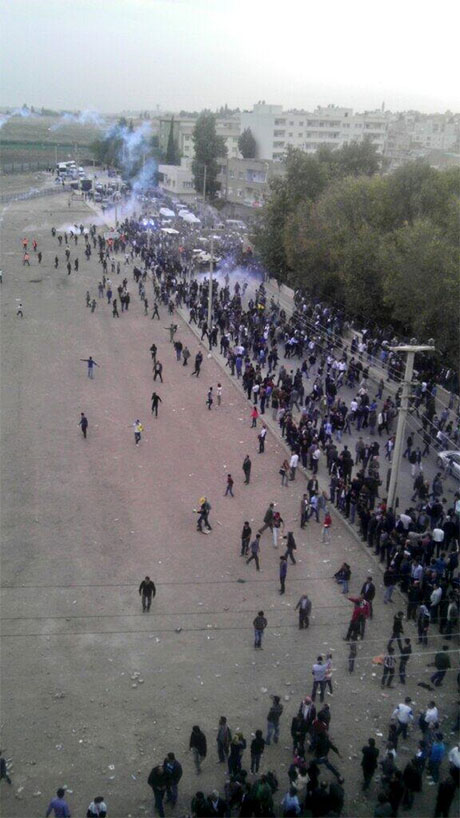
323	745
157	781
273	720
173	773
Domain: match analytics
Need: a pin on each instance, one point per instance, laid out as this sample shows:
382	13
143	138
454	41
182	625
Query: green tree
247	144
172	152
208	148
422	284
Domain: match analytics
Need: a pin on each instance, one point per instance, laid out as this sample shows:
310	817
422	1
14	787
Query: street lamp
411	351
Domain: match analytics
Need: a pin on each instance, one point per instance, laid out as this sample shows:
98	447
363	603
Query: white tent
165	211
191	219
170	231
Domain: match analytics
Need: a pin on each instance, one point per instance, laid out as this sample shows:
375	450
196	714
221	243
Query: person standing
198	746
155	401
158	371
247	469
262	435
370	755
83	423
205	508
229	488
58	805
389	664
255	549
326	535
319	679
91	364
257	749
147	591
304	607
442	665
138	428
245	538
219	394
223	739
293	463
19	311
283	574
260	623
185	356
157	781
273	720
254	416
404	656
173	773
209	399
368	593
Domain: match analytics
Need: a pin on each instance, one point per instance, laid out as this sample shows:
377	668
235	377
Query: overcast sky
135	54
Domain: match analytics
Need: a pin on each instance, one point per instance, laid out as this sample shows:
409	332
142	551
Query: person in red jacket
358	617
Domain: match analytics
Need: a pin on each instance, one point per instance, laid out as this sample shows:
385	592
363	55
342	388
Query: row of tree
386	248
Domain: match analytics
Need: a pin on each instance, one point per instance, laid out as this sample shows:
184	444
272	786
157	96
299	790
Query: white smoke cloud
23	112
87	117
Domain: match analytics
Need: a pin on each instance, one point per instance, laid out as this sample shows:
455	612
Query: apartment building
228	128
275	130
177	180
245	181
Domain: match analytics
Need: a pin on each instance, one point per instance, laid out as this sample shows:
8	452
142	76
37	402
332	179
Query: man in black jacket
147	591
157	781
198	746
368	592
369	762
173	774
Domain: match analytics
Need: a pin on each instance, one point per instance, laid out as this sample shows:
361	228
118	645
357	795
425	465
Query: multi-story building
228	128
177	180
275	130
432	137
245	181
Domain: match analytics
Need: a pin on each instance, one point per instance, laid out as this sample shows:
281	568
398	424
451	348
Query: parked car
450	462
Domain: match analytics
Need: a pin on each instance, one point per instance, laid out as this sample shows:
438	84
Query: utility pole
411	351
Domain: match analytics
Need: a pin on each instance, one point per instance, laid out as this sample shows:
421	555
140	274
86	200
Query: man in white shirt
435	599
404	715
430	718
293	463
319	679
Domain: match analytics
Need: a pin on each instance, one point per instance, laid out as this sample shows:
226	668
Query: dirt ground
94	692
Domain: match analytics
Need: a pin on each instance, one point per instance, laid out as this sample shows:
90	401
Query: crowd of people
295	371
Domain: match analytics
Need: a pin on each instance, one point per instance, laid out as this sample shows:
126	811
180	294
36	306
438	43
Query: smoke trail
87	117
23	112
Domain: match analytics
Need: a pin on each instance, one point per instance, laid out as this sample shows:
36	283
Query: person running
198	362
138	429
19	311
255	550
155	401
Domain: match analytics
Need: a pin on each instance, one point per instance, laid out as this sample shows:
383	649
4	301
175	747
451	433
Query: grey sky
120	54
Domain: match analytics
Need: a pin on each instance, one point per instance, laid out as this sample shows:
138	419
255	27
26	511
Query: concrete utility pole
411	350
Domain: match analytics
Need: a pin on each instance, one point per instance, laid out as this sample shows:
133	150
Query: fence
24	167
32	194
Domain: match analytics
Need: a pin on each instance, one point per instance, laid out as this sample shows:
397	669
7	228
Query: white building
183	128
177	180
275	130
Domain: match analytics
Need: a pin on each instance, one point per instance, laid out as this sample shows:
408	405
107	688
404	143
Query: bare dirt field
94	692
